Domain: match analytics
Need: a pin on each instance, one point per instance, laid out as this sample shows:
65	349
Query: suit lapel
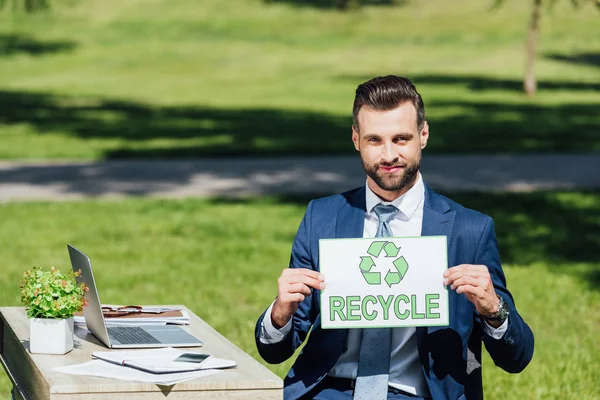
350	223
350	220
438	220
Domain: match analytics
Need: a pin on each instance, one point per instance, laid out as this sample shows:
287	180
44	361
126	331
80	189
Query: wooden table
33	377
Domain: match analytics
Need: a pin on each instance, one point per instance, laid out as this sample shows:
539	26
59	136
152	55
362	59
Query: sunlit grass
222	259
283	77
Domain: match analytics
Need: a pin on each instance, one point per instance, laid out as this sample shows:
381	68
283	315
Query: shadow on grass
545	227
483	83
587	59
146	132
541	227
223	132
21	44
533	227
339	4
300	200
490	127
591	276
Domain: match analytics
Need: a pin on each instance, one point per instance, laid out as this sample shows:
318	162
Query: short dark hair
386	93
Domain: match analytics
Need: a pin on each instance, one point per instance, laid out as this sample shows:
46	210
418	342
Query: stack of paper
161	361
152	366
105	370
149	316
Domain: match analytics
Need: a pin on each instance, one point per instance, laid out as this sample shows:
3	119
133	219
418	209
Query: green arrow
392	278
366	263
372	278
375	248
391	250
401	266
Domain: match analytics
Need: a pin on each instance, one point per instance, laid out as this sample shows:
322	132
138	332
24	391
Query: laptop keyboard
131	335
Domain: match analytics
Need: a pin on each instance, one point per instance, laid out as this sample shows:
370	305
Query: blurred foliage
25	5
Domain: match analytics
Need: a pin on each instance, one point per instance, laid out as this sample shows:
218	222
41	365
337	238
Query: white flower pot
50	336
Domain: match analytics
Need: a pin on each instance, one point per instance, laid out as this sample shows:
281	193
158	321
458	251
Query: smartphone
192	357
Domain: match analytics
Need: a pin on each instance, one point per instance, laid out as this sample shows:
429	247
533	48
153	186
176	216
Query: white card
384	282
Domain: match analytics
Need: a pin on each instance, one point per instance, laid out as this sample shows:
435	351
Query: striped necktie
376	343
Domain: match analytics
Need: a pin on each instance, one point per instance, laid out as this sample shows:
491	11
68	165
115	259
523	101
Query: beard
392	182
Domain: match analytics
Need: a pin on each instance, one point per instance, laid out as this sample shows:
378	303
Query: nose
388	153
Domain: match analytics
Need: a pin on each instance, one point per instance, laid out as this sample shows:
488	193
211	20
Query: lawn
222	257
100	79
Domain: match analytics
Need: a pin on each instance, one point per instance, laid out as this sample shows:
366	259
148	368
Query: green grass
113	79
222	258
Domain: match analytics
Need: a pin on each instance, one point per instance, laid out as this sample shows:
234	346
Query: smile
391	169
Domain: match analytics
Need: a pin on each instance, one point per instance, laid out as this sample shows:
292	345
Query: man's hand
293	286
476	283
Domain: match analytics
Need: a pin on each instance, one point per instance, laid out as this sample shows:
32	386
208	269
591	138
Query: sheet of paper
384	282
107	370
161	360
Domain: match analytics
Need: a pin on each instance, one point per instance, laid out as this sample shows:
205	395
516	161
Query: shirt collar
407	203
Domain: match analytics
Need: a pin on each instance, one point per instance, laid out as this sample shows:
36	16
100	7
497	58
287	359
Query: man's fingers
287	298
297	297
458	275
294	285
466	268
470	289
469	280
303	272
303	279
286	304
314	279
475	271
298	288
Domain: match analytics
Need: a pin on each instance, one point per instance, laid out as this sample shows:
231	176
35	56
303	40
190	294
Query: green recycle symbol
390	250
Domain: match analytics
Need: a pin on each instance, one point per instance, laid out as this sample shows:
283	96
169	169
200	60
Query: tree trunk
530	82
347	4
342	4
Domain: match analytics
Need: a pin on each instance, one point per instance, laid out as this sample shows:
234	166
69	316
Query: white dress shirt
405	368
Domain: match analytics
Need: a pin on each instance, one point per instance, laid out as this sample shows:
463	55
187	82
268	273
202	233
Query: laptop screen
94	319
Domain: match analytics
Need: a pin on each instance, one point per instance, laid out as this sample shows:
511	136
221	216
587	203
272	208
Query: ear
424	136
355	139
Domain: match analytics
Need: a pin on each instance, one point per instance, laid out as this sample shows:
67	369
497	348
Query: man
389	131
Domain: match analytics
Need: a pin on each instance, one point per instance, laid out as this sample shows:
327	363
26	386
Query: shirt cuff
498	332
268	333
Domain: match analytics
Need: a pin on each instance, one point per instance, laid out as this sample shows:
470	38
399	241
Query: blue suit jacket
450	355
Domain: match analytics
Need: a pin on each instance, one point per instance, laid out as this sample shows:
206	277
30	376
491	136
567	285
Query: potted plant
51	298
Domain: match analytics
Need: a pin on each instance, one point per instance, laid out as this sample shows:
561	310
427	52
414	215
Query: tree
27	5
530	80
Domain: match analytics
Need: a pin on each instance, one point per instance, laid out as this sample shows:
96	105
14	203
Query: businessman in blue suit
390	131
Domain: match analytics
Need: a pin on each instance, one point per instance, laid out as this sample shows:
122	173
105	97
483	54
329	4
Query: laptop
123	337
